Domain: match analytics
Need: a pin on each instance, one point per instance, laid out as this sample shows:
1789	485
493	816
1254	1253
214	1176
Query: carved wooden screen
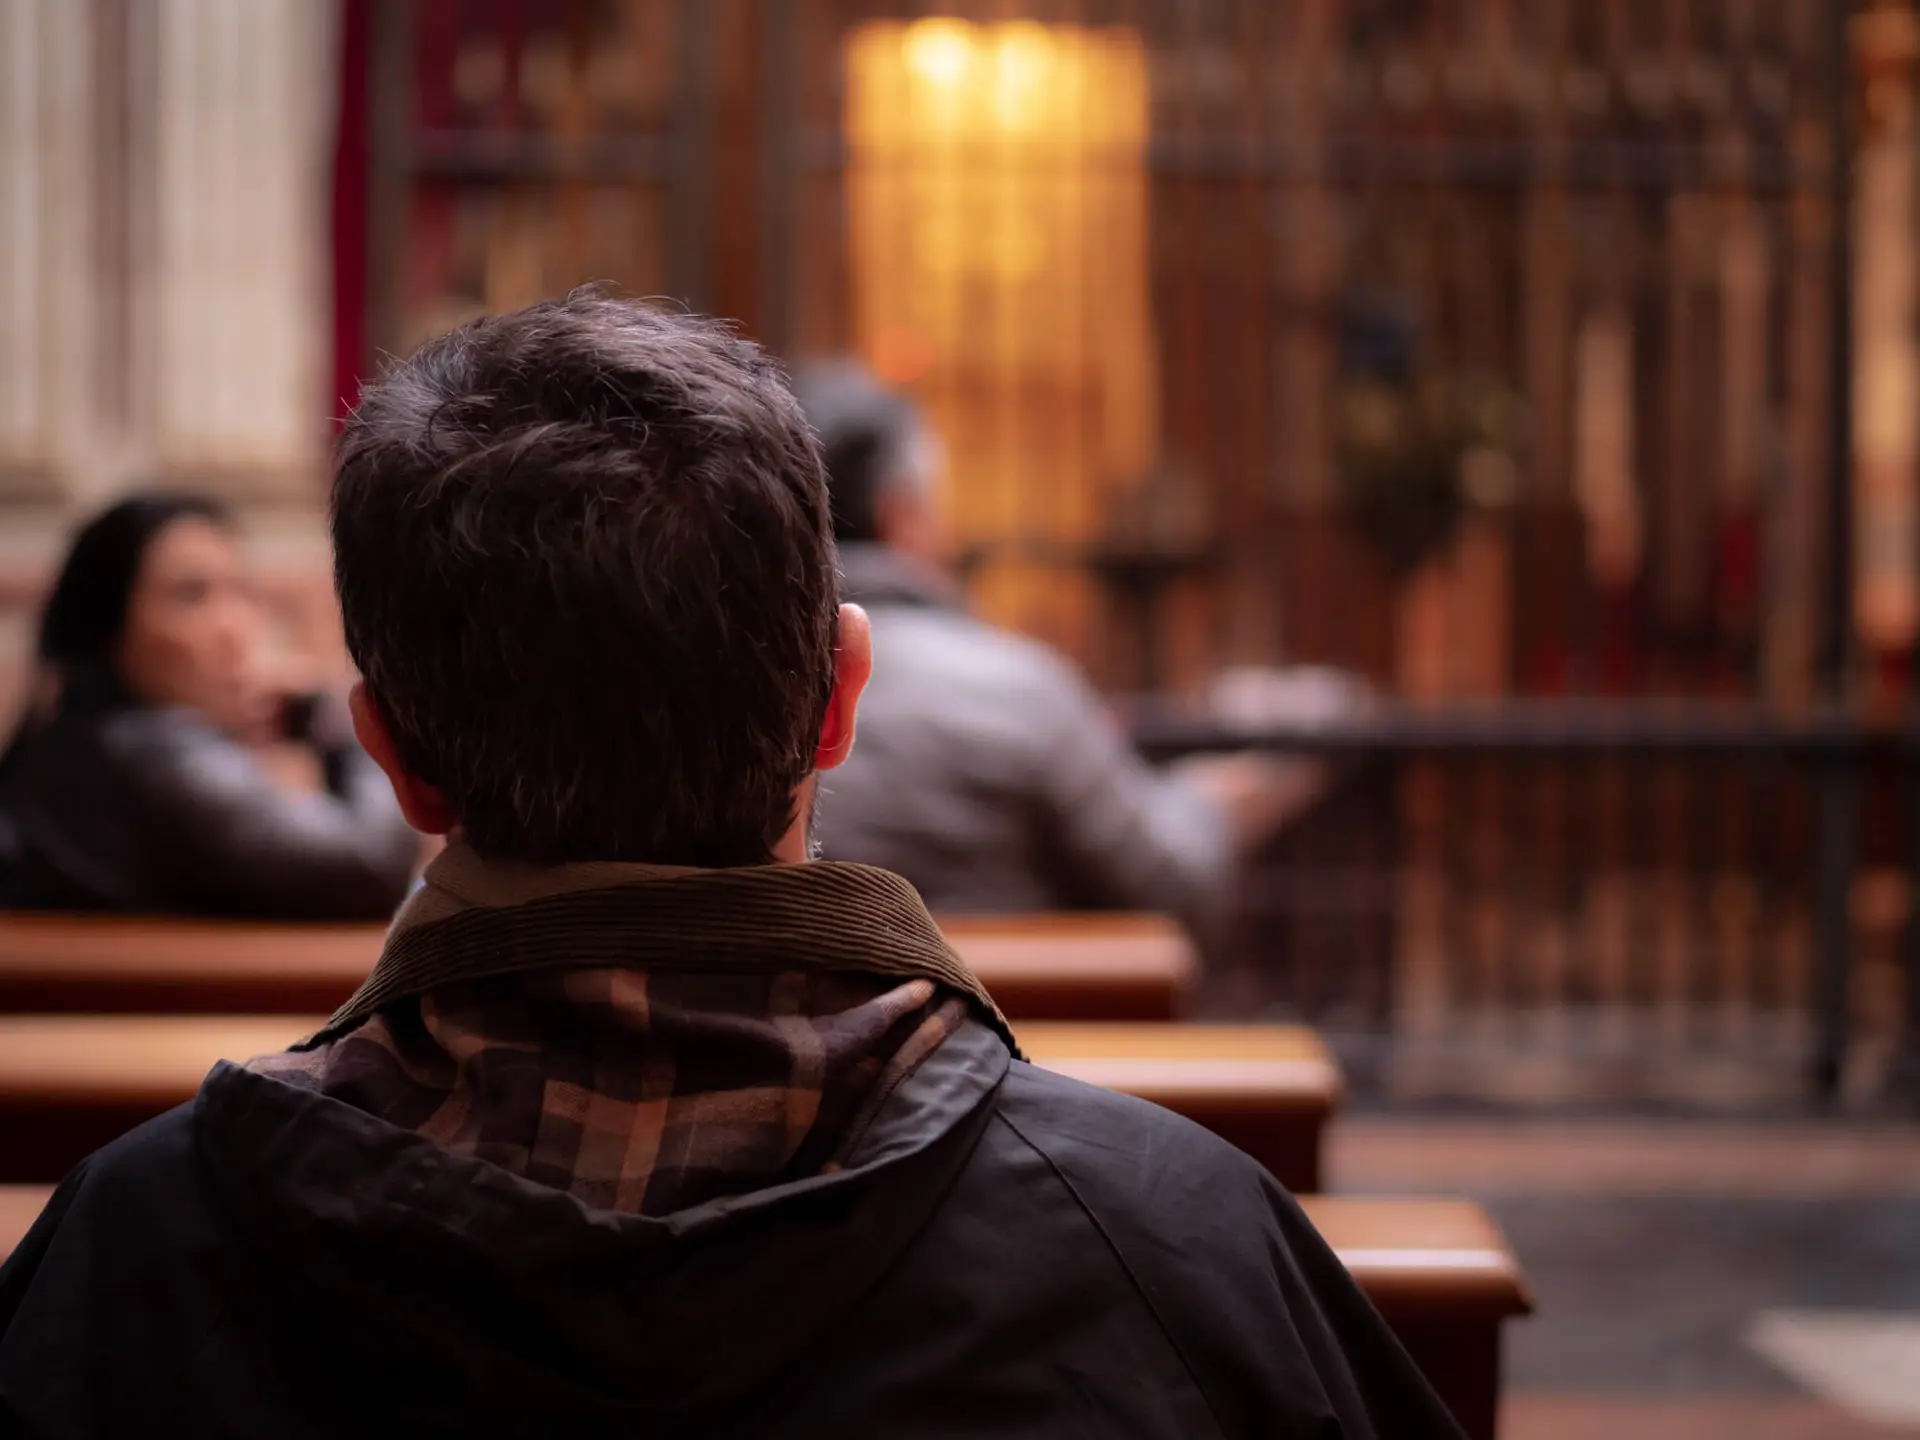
523	148
1145	266
1612	214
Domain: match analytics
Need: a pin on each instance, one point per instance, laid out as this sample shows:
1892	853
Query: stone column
231	294
164	176
46	134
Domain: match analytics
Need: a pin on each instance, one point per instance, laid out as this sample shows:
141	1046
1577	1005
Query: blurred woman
134	783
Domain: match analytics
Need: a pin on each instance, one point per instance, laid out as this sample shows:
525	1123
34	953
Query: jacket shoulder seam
1119	1258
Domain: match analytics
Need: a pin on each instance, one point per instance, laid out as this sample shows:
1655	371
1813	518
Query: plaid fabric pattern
639	1091
643	1037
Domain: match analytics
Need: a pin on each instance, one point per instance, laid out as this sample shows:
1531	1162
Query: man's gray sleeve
1124	835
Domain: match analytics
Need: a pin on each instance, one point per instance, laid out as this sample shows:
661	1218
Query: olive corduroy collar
822	915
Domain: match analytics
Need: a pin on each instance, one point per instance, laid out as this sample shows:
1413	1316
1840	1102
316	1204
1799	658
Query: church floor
1758	1280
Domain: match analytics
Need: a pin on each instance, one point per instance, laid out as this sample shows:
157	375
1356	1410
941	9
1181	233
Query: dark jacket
990	1249
990	774
112	806
1008	1253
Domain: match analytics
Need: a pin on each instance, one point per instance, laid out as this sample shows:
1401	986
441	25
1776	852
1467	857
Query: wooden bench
1441	1275
20	1206
1438	1271
1039	967
70	1083
1079	967
1269	1089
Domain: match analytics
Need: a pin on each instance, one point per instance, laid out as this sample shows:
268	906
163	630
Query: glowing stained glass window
998	232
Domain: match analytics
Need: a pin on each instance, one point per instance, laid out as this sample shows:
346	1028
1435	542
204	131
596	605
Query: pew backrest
69	1083
1269	1089
1079	967
1443	1278
1414	1254
1044	967
20	1206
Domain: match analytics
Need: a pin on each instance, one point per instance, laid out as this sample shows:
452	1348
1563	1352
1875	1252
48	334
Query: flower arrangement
1416	452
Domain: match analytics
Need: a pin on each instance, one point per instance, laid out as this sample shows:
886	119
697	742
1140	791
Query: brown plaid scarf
646	1040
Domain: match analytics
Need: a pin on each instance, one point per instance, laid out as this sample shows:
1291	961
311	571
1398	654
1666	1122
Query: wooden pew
1039	967
171	966
1269	1089
1438	1271
1441	1275
20	1206
1079	967
70	1083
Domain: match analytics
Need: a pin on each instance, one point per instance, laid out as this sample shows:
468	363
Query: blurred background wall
1483	346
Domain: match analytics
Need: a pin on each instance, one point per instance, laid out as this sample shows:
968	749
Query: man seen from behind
644	1123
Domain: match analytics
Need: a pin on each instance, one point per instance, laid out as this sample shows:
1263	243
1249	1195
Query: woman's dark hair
87	609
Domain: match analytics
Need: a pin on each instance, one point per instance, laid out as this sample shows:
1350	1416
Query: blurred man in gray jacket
989	772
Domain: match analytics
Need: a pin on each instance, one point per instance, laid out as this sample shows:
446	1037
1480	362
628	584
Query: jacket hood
500	1295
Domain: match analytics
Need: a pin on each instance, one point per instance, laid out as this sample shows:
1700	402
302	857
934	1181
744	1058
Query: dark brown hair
586	567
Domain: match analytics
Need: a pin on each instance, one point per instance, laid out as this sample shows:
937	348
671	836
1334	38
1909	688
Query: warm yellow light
1022	61
997	239
940	52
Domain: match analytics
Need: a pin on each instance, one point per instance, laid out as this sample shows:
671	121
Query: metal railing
1598	879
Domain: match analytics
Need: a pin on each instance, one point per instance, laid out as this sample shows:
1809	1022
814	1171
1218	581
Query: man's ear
423	806
852	665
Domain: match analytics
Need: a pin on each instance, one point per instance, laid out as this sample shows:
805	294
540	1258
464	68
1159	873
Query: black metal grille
1629	213
1523	189
1609	884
